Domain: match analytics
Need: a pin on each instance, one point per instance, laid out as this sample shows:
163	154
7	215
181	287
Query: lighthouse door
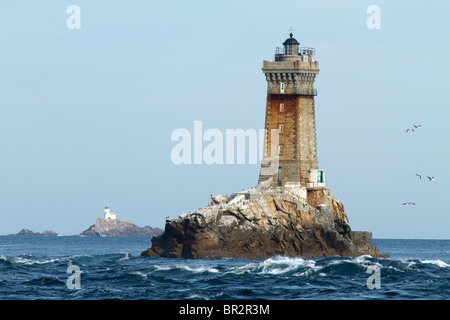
320	176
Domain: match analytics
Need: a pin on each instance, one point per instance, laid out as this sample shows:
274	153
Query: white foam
409	263
196	296
199	269
360	260
159	268
437	262
126	256
243	269
26	261
283	265
141	274
313	268
187	268
77	256
274	266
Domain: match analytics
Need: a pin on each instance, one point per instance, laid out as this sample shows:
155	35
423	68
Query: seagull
418	126
410	129
420	177
409	204
431	179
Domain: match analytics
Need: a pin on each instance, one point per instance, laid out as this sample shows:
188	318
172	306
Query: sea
105	268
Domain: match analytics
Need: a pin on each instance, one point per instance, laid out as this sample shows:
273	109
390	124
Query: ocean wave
126	256
140	274
193	269
29	261
33	260
304	267
163	268
363	260
45	280
114	256
199	269
274	266
301	267
405	265
4	260
439	263
283	265
196	296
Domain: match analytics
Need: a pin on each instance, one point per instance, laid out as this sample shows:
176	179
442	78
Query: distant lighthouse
109	215
290	109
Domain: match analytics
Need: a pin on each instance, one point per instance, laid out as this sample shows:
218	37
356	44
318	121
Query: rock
263	226
119	228
26	232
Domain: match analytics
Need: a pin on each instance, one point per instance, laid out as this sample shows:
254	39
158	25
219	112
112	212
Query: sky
86	115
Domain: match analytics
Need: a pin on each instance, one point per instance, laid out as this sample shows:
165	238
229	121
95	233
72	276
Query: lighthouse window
281	107
320	176
280	128
282	87
280	149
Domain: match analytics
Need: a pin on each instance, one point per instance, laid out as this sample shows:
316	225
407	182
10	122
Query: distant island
119	228
26	232
109	226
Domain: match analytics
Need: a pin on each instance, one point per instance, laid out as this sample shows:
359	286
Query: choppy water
111	268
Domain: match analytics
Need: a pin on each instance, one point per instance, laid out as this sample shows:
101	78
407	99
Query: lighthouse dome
291	46
291	40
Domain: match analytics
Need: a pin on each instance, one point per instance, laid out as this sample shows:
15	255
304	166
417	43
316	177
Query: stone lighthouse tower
290	111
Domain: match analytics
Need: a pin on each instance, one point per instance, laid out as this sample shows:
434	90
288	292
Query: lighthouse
109	214
290	111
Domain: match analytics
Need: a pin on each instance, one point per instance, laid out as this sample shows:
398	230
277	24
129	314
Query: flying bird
416	126
431	179
420	177
409	204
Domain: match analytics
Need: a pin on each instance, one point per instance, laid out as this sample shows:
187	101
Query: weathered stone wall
298	137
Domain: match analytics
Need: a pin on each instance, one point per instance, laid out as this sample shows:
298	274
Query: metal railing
316	184
301	51
307	50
